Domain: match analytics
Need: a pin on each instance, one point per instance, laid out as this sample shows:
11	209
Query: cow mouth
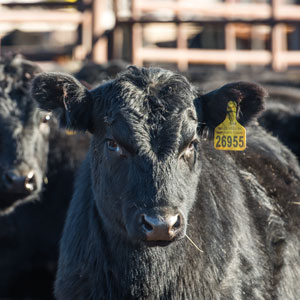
7	199
158	243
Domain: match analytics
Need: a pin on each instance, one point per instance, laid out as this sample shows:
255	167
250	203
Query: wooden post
230	46
182	61
137	37
87	32
83	50
279	47
230	42
99	42
279	39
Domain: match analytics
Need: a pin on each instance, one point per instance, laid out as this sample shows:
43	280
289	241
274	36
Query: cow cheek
41	150
109	189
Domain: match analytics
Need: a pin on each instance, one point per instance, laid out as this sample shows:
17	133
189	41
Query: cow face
145	156
23	136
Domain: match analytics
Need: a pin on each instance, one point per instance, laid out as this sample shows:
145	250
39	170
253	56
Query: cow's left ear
66	97
212	107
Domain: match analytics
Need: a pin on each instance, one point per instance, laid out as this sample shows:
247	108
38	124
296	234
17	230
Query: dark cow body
93	74
282	117
151	177
31	222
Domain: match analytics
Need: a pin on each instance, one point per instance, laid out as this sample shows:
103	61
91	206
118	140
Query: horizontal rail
40	16
201	21
52	4
290	57
227	10
245	11
287	12
259	57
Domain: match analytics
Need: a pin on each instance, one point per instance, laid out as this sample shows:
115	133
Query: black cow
24	135
282	116
151	180
37	166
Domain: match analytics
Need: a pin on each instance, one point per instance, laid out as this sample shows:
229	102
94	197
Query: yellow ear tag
70	132
230	134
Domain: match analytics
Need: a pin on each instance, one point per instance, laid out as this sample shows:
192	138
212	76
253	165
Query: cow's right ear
66	97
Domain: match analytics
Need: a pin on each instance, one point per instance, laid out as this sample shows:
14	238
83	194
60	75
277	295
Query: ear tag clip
70	132
230	134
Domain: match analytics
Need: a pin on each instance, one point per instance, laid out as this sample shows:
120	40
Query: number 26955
229	141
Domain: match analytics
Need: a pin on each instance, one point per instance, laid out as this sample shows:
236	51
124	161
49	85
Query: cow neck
136	269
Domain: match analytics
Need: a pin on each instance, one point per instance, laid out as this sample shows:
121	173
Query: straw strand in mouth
193	243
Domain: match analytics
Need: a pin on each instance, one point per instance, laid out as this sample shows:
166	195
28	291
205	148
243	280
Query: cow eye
46	118
112	145
191	146
189	150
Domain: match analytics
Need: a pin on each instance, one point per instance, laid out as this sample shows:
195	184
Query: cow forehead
151	105
153	90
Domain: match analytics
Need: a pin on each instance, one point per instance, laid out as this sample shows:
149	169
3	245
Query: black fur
282	119
30	233
92	74
24	137
142	160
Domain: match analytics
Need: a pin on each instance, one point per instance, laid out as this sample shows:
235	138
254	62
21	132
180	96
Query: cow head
23	135
145	155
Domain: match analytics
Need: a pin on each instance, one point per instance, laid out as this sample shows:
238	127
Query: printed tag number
229	141
230	134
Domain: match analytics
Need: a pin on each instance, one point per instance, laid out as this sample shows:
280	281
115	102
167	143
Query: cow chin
8	202
157	243
14	196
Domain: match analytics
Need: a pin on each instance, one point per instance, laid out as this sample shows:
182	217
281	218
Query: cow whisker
297	203
193	243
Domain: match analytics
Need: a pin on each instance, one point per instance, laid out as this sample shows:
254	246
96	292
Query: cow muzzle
19	184
161	228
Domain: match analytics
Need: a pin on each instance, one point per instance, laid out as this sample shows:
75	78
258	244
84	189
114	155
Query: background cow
151	178
37	166
282	116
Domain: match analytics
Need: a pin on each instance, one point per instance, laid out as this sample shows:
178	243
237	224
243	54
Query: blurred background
179	34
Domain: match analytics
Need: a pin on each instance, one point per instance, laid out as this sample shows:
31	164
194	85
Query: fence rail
277	15
87	13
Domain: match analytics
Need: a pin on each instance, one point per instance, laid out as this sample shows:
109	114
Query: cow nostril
177	223
30	181
146	225
9	178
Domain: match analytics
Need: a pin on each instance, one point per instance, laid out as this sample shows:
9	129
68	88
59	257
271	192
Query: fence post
99	41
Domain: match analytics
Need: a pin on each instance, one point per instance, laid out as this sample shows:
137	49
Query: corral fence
270	23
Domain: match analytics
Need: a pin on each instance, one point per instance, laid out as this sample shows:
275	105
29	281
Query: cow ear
66	97
212	107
